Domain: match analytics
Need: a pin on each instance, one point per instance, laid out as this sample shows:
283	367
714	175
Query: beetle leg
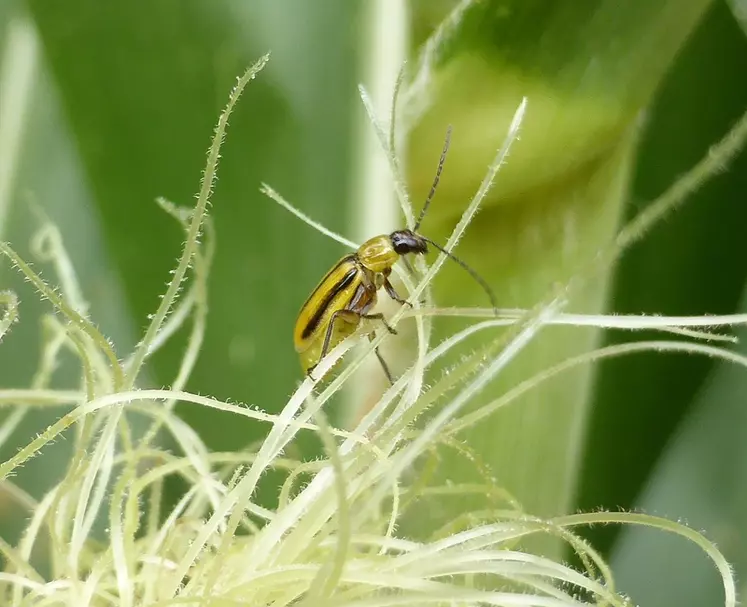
352	316
384	366
380	317
389	288
393	294
391	330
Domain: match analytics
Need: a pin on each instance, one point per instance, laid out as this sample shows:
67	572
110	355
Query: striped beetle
347	293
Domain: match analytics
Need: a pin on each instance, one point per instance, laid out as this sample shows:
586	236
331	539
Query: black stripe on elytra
322	307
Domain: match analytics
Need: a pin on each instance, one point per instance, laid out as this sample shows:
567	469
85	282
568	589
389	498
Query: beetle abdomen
332	293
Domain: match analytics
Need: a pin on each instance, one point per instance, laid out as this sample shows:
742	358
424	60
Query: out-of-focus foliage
590	71
139	86
691	264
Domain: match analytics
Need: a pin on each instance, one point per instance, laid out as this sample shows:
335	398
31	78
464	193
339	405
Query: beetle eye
401	247
402	242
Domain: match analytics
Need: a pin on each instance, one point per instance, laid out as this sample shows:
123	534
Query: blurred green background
102	109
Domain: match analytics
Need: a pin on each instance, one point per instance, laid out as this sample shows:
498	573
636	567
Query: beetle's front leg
389	288
395	296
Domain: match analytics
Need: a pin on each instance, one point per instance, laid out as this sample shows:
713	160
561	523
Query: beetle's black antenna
435	181
472	273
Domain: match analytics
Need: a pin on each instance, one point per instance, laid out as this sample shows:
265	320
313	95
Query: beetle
346	294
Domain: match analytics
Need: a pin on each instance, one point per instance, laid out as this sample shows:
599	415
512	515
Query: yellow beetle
345	295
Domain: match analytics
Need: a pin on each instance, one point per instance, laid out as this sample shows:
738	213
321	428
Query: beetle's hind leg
353	317
349	315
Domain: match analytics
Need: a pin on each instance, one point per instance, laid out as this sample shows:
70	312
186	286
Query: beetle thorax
377	254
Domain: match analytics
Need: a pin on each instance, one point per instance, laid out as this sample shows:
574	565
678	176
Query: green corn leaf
589	70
